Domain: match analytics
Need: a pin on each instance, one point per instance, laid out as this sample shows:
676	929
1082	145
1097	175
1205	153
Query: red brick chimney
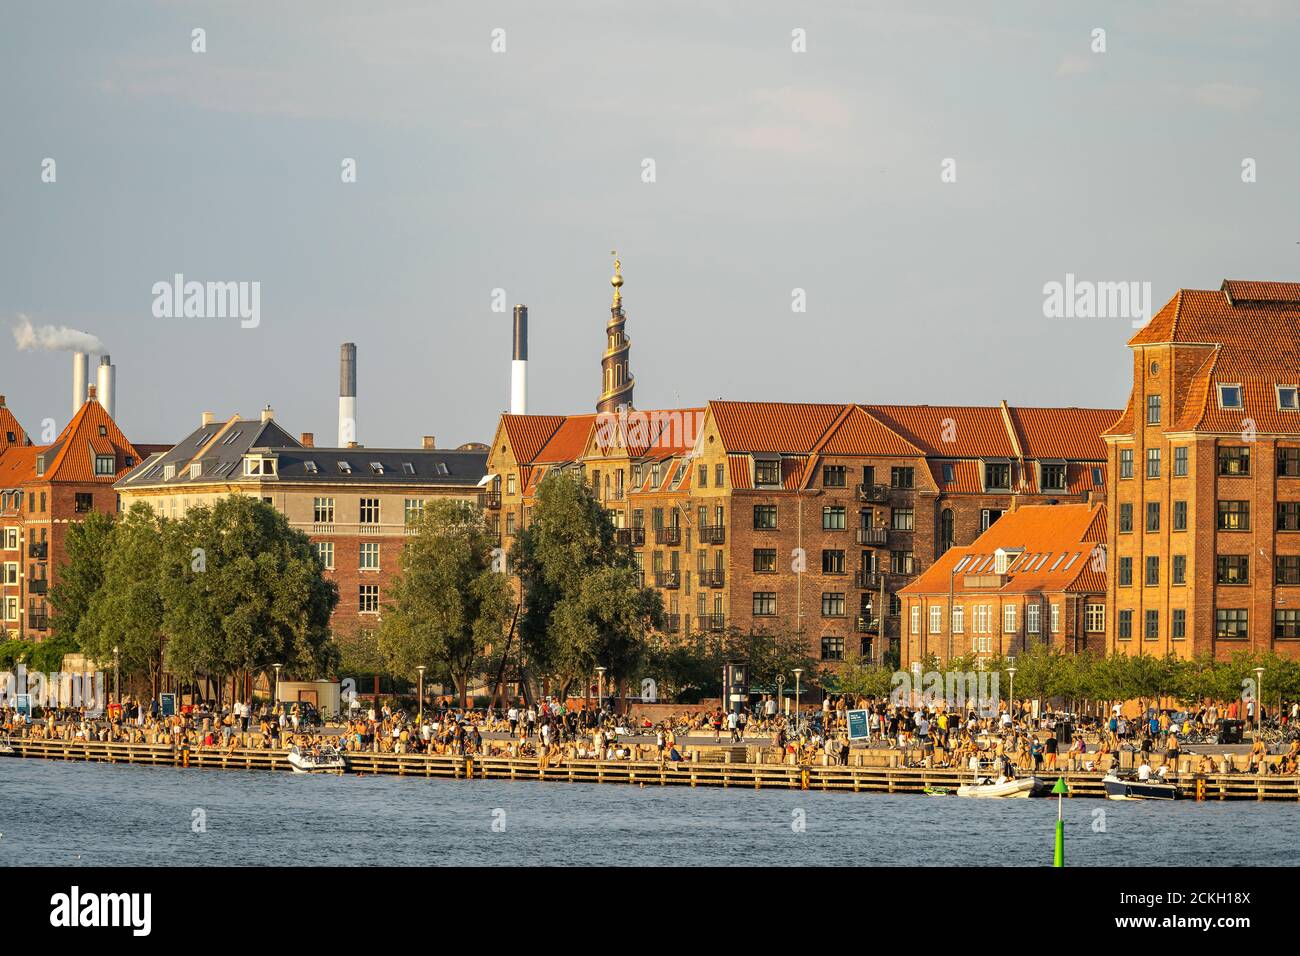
429	443
308	440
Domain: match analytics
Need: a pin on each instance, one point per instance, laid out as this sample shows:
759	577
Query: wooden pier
703	773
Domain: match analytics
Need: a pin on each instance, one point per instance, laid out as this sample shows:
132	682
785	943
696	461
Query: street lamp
421	698
600	688
798	672
780	694
117	696
1259	700
275	699
1011	696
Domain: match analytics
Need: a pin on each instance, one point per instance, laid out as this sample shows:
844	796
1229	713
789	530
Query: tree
128	609
858	677
243	590
448	604
82	574
584	605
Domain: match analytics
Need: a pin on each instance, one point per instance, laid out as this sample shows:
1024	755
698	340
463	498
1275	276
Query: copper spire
616	381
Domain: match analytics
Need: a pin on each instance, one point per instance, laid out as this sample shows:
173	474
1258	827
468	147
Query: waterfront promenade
872	772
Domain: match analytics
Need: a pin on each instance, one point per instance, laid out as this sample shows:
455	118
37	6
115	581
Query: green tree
127	611
584	605
244	590
82	573
448	604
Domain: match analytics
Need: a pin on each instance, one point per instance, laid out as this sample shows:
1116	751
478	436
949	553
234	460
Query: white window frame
12	608
1288	408
1241	397
366	588
368	548
936	619
958	619
1008	619
11	539
1094	617
325	551
1056	618
916	619
1033	616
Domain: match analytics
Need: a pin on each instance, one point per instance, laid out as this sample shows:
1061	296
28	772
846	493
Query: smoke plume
53	338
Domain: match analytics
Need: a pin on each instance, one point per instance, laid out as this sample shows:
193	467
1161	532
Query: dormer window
1054	476
40	465
258	466
767	471
1003	558
1288	398
196	470
997	476
1230	396
949	473
105	464
169	472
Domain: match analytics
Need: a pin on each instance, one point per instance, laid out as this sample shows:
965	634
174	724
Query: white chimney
519	364
347	395
208	418
107	385
80	377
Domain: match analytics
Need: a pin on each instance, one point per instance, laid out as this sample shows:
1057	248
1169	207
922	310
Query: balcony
616	494
713	622
875	493
867	580
713	578
672	623
904	568
38	549
38	586
867	624
489	499
632	537
668	579
876	536
670	535
38	622
713	534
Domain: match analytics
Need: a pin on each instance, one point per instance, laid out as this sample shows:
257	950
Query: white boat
1131	788
319	760
1001	787
5	746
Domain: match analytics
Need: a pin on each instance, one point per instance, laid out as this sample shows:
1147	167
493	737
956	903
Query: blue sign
23	704
168	702
858	727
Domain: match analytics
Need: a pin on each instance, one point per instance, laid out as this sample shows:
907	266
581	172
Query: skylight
345	468
310	466
408	468
377	467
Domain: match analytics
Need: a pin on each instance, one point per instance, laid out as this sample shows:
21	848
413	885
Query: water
71	814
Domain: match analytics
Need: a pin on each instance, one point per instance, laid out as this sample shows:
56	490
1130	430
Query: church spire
617	381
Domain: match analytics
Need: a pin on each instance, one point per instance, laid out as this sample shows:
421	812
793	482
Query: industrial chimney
80	375
347	395
107	390
519	364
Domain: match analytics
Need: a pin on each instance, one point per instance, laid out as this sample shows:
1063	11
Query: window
900	477
1288	516
309	466
1180	461
413	511
1232	569
1288	462
1094	618
1032	614
325	552
947	529
1178	572
988	516
368	599
997	476
83	502
1125	572
510	524
1287	398
703	479
1125	518
767	471
1153	571
376	468
900	519
764	603
1151	625
11	572
369	511
958	619
1125	625
104	465
11	538
1009	619
1178	624
832	604
832	648
1231	624
936	619
1153	462
1126	462
949	471
764	517
765	560
1054	477
1180	516
901	562
916	619
832	562
1153	409
718	476
1056	619
833	518
1286	624
1234	460
1234	515
369	556
345	467
323	511
1153	516
1098	479
1230	396
1288	569
834	476
408	468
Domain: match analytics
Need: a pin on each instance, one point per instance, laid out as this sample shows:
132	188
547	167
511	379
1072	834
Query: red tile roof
80	441
9	426
1056	543
772	426
17	464
527	434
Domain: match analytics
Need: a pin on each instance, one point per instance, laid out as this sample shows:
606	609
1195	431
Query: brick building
1035	577
355	504
1205	477
43	490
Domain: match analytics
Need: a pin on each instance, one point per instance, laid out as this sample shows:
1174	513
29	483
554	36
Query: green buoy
1058	859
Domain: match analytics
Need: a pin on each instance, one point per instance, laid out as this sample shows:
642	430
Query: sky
919	170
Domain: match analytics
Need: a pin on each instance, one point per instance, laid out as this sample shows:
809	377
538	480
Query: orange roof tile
9	426
772	426
1063	432
80	441
17	464
568	442
529	433
859	431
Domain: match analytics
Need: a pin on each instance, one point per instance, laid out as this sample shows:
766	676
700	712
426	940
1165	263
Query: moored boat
317	760
1131	788
1001	787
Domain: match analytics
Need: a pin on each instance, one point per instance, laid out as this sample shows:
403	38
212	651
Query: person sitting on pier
1258	757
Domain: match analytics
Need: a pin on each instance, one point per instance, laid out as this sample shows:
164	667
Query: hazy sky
521	170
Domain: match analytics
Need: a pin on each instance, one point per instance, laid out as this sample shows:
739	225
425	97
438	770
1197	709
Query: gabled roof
11	432
772	426
91	433
1056	545
217	448
17	465
527	434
